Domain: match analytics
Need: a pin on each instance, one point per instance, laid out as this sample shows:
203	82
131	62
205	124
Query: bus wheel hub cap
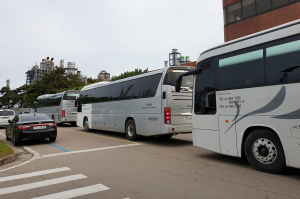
264	151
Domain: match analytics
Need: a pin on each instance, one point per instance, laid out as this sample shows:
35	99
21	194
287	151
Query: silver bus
246	94
60	107
145	104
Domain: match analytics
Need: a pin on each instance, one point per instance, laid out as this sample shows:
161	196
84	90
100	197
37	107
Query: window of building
283	61
234	12
279	3
242	70
263	6
248	8
205	94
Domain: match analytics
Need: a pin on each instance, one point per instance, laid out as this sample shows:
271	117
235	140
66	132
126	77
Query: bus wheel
130	130
264	151
86	125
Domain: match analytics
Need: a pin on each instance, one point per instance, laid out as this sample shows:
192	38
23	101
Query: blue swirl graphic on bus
272	105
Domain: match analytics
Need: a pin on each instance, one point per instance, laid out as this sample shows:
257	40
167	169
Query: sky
111	35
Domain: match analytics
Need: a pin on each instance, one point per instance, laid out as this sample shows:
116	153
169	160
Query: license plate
39	127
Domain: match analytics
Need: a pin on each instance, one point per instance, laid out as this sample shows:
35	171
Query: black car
30	126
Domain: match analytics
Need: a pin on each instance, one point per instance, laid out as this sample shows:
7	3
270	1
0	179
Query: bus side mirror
76	101
178	84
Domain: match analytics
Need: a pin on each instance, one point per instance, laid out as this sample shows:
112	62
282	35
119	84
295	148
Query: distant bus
145	104
246	98
60	107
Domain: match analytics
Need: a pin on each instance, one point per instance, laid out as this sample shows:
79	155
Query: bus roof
61	93
99	84
268	35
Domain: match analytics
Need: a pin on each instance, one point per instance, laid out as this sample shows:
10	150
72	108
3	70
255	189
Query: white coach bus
246	98
60	107
145	104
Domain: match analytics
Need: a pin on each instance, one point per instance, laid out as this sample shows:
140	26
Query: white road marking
75	192
32	174
40	184
87	150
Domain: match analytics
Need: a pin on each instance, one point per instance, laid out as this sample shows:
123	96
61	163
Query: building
46	66
175	59
245	17
36	71
104	76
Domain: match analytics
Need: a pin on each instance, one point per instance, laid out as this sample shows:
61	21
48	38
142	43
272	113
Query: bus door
206	132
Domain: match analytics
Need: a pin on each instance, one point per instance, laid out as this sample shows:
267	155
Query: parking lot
148	168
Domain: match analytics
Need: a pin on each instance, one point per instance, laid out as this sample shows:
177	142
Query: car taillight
63	113
23	127
167	115
52	125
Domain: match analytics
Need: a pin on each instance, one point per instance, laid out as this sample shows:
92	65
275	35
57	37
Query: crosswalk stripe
37	173
40	184
75	192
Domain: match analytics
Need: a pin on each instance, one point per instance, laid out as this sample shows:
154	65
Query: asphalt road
101	164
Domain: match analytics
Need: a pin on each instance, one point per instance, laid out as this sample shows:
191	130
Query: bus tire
130	130
86	125
73	124
264	151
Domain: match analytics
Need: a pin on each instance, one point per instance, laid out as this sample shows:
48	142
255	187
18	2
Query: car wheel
86	125
14	140
264	151
7	138
52	139
130	130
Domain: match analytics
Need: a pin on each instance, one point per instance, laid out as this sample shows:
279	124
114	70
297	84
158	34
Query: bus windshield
70	96
172	76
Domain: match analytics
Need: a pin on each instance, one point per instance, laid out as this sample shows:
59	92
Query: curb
8	159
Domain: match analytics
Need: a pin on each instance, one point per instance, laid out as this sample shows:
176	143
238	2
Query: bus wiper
193	72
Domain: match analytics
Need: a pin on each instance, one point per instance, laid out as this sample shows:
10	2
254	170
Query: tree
130	74
90	80
54	82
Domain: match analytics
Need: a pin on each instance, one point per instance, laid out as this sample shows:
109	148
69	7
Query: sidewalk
11	158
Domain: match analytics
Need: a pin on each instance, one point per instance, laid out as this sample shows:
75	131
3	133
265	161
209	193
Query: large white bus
60	107
145	104
246	98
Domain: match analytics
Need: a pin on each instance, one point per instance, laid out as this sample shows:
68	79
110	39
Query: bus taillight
167	111
63	113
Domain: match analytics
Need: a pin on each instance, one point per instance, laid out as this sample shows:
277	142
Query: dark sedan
30	126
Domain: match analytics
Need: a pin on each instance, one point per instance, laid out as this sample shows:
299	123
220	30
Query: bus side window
205	94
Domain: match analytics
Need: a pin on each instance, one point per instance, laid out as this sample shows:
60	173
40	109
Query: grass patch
5	150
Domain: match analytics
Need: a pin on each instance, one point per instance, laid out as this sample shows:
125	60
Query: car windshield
33	117
70	96
6	113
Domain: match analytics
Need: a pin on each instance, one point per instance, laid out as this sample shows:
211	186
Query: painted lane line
75	192
59	148
97	135
87	150
32	174
40	184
